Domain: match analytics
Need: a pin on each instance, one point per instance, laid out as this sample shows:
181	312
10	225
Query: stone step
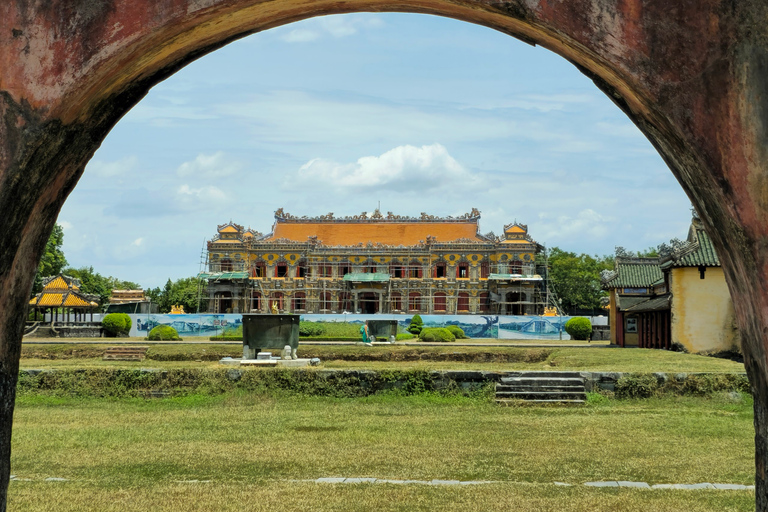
572	375
541	387
506	401
544	381
125	353
501	390
543	395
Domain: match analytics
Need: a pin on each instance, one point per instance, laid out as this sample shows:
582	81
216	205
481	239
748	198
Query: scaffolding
396	280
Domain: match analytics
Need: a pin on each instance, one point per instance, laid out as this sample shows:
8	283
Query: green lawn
134	454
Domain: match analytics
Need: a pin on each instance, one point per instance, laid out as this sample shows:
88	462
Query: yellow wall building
679	300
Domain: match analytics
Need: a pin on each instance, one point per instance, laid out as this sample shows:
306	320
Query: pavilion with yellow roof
375	263
61	294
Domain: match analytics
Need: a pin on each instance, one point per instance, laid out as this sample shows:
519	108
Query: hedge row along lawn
395	356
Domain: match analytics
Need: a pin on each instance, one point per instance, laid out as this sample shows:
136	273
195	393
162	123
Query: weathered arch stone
693	76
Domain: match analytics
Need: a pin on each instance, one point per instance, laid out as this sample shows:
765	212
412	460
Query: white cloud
65	225
138	242
213	166
301	35
112	169
586	224
333	26
206	194
407	168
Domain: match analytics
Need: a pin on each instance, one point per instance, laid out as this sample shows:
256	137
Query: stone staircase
123	353
541	387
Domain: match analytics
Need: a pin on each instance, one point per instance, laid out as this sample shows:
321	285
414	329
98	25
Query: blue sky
339	113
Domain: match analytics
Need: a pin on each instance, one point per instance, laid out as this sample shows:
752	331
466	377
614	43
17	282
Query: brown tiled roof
387	233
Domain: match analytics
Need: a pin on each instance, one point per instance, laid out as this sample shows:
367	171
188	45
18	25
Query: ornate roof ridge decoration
507	227
238	227
375	217
634	260
707	256
72	282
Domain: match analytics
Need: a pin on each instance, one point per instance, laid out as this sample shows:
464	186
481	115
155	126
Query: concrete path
601	484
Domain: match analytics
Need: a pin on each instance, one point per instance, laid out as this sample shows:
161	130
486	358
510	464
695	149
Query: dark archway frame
692	75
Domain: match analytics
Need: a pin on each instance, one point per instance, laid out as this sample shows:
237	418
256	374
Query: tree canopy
575	279
182	292
53	260
92	282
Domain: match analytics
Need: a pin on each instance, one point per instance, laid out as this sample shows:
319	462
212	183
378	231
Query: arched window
345	301
299	301
255	301
515	267
301	269
325	301
439	270
463	302
485	306
397	271
414	301
397	302
226	265
462	270
414	270
439	301
485	270
259	269
281	270
277	298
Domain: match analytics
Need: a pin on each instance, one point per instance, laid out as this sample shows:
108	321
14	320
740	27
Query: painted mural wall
475	326
703	319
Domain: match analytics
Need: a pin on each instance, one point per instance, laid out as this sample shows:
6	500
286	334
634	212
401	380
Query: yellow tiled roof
59	283
388	233
59	299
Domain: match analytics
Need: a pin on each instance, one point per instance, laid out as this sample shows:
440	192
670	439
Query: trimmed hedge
579	327
457	332
311	329
417	324
436	334
163	333
117	324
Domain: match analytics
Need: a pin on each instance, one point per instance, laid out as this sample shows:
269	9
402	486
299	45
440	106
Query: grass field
133	454
395	356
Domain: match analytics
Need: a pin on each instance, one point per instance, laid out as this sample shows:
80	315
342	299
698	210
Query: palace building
374	263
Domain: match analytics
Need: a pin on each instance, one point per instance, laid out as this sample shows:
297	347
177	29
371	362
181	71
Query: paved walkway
602	484
137	341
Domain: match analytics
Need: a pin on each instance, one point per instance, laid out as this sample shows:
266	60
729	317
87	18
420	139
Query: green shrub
637	386
311	329
117	324
579	327
439	334
458	332
417	324
163	332
405	336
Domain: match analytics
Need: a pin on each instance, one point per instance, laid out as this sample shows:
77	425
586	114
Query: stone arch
691	76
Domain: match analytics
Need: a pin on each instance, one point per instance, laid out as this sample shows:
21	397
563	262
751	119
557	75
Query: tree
185	292
53	260
575	279
91	282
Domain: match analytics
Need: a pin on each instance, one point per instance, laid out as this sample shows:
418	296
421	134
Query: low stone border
601	484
